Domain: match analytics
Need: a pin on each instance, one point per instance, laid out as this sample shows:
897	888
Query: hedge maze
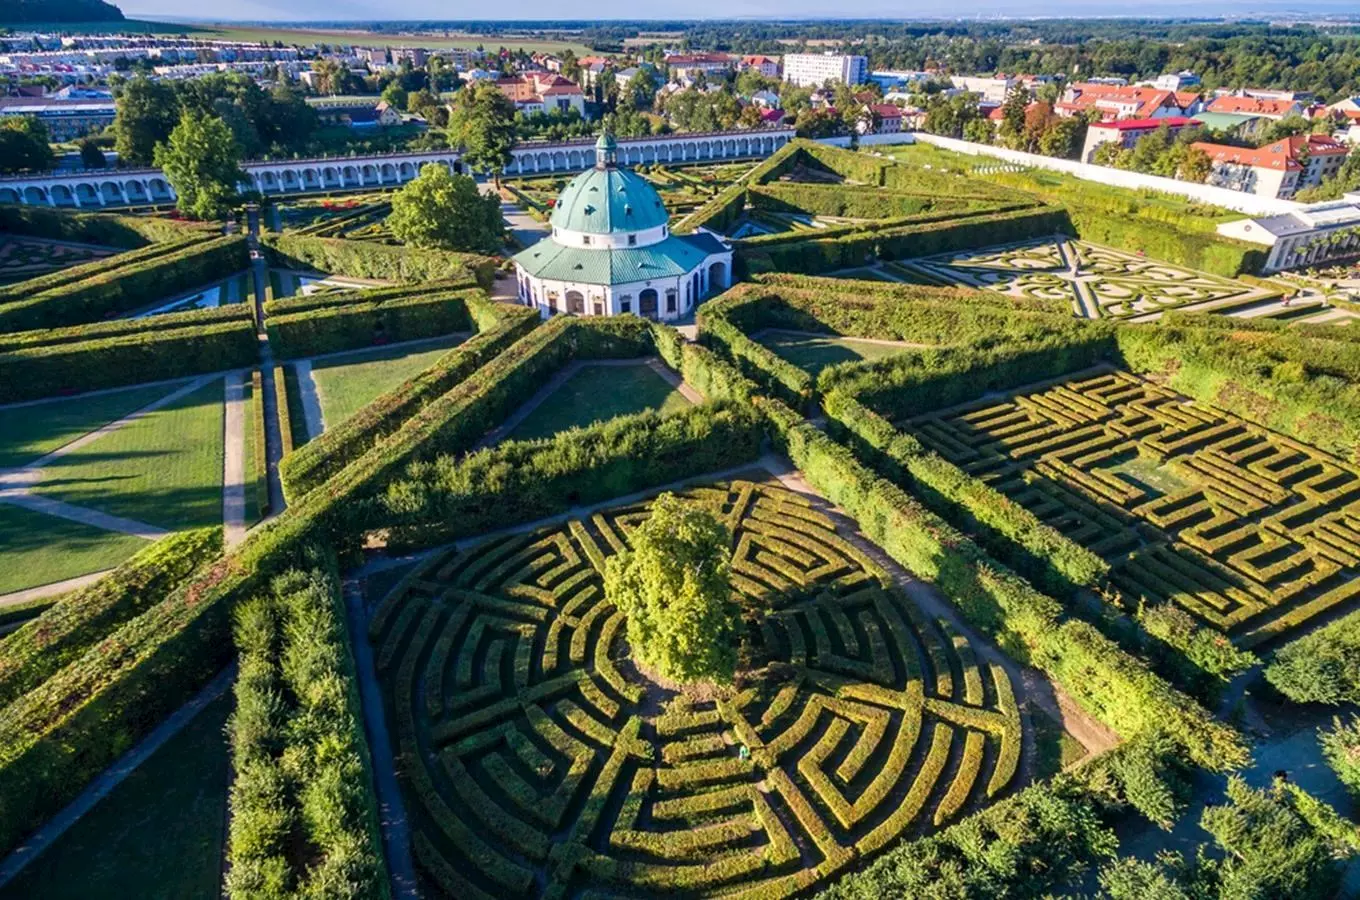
538	762
1249	530
1099	282
22	258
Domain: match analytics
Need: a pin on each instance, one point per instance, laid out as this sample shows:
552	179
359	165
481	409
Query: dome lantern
606	151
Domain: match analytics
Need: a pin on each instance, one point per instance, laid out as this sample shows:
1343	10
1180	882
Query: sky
377	10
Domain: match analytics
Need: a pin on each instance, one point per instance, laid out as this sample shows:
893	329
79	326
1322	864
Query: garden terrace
540	761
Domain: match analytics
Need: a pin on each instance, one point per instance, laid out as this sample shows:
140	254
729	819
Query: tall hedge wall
43	371
361	259
370	321
127	287
435	502
94	331
1162	240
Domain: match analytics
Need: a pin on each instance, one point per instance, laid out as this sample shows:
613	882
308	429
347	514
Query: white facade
664	299
814	69
1306	236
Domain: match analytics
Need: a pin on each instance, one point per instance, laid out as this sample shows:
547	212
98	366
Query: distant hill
18	12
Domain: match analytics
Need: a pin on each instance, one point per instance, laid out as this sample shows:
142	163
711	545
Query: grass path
595	393
165	468
29	432
814	352
41	549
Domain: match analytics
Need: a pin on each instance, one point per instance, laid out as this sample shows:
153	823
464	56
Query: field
348	382
536	754
595	393
158	835
41	549
310	36
1247	529
814	352
1099	282
164	469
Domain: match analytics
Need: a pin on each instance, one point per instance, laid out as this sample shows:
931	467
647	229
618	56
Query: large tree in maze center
673	587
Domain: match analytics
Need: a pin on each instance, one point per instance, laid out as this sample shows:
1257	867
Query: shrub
1341	749
109	229
44	337
303	820
347	326
1322	667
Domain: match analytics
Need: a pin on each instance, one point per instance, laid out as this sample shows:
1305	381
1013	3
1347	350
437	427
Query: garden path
111	777
311	401
234	461
50	590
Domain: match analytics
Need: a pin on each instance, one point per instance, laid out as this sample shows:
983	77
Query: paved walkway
234	461
396	828
672	377
311	400
83	514
111	777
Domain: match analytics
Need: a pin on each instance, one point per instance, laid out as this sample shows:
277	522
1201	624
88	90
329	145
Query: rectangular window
670	301
626	305
632	240
585	239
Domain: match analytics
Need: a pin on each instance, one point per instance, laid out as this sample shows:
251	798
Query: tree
1322	667
979	131
442	211
673	587
202	163
395	95
91	157
1011	132
482	125
146	112
24	145
1195	166
1063	138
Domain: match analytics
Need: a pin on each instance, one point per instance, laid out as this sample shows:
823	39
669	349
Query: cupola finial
606	151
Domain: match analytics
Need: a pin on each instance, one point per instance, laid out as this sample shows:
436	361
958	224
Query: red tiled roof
887	110
1282	155
1251	106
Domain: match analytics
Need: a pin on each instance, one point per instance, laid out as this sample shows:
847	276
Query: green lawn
349	382
164	469
814	352
28	432
297	422
37	549
600	392
257	488
158	836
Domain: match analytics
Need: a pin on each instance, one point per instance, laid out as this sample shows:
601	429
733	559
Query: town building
687	66
890	80
1310	235
815	69
1125	102
542	92
1126	132
765	65
1262	107
355	112
889	119
611	251
65	119
1177	81
1280	169
988	88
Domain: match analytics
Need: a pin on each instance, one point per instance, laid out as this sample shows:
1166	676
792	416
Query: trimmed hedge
131	259
43	337
499	326
519	481
1112	685
361	259
128	359
303	819
110	229
1161	240
82	618
372	321
128	287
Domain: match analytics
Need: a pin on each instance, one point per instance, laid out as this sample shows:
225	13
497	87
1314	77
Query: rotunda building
612	252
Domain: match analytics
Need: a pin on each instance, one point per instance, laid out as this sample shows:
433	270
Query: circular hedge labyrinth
538	762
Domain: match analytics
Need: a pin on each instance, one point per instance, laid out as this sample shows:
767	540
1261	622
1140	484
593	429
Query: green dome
609	200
